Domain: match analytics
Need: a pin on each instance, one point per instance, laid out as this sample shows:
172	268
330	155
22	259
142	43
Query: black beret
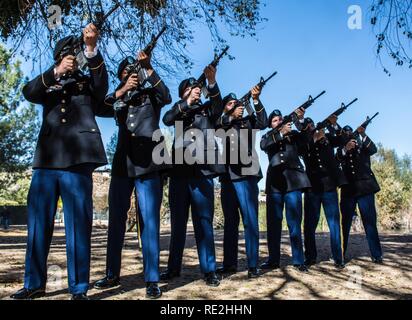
274	113
347	129
228	98
62	44
187	83
127	61
307	122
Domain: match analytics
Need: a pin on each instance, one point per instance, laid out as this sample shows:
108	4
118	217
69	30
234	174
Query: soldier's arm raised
261	116
106	109
161	91
179	111
369	146
223	122
270	139
215	104
35	90
99	78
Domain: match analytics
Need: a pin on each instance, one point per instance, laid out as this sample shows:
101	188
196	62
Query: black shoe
253	273
211	279
153	291
169	275
301	267
339	265
377	260
28	294
107	283
80	296
226	269
310	262
269	266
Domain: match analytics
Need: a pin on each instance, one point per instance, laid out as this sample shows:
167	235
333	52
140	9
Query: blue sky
310	45
312	48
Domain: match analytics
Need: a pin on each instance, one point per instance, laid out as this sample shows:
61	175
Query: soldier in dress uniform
191	186
239	188
355	158
133	168
285	181
69	148
325	176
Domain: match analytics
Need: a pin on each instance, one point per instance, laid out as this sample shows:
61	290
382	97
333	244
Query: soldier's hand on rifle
286	128
300	112
350	145
131	84
238	113
333	119
144	60
210	73
361	130
256	90
194	95
90	35
319	135
68	64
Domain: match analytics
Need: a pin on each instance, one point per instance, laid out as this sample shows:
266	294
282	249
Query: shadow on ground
361	279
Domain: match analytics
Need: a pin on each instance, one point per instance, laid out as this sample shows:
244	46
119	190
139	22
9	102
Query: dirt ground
361	279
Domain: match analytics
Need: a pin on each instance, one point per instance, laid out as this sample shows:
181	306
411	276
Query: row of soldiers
70	148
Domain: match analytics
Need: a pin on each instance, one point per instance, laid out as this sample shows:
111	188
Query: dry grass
393	280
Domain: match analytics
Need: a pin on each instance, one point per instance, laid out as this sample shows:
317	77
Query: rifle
292	116
215	62
76	49
310	101
245	100
365	124
325	123
134	67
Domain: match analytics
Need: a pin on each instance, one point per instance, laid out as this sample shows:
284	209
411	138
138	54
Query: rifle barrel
149	48
311	100
220	56
160	33
101	21
343	108
214	63
271	76
319	95
369	120
374	116
350	103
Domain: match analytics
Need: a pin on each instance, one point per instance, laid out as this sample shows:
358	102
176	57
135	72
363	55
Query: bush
394	177
390	202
